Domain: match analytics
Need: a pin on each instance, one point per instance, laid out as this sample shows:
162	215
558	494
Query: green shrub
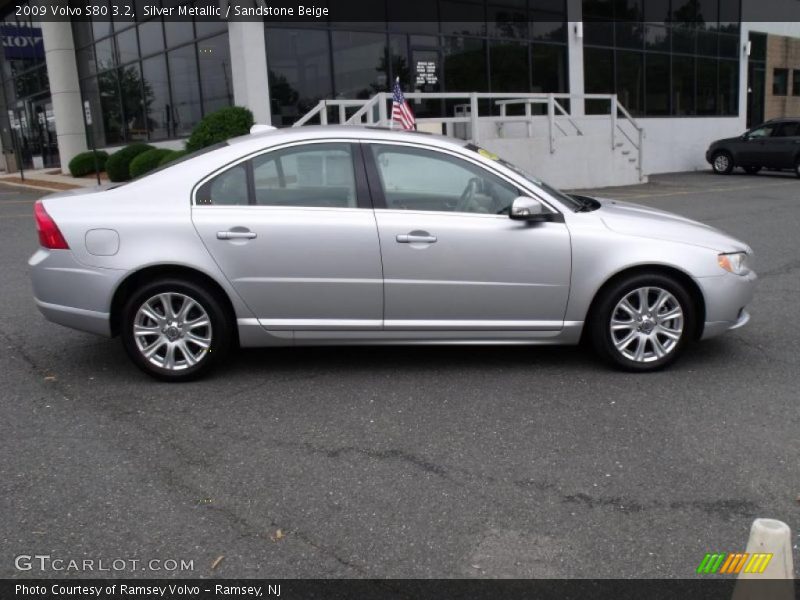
118	164
83	163
220	126
173	155
147	161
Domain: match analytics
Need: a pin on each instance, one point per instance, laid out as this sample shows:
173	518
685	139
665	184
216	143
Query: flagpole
391	120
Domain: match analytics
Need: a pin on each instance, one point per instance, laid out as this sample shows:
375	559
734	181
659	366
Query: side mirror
527	209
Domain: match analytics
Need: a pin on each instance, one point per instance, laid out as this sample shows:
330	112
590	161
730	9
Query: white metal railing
374	111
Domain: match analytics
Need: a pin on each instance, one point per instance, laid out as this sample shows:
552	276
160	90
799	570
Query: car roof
322	132
782	120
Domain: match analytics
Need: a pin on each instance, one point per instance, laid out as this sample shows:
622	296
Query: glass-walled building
152	80
29	126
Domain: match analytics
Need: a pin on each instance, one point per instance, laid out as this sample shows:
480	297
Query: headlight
734	262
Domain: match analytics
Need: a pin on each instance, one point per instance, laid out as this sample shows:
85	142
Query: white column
248	46
575	56
744	83
62	71
575	53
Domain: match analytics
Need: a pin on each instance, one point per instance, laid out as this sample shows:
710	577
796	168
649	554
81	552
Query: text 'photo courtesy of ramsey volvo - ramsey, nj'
351	235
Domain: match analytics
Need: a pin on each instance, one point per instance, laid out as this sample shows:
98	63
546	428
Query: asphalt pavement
409	462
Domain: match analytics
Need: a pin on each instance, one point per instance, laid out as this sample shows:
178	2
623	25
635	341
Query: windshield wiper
585	203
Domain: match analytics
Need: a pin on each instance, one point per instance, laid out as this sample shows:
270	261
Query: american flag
401	111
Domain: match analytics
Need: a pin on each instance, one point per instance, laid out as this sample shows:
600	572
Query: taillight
49	234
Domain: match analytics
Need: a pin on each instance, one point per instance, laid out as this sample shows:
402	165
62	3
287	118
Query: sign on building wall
426	73
22	42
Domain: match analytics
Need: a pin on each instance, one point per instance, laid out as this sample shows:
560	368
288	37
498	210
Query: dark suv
773	145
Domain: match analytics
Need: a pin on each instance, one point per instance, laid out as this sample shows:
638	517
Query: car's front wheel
643	322
722	163
175	330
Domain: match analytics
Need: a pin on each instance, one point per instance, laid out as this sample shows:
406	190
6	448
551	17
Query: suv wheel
643	322
175	330
722	163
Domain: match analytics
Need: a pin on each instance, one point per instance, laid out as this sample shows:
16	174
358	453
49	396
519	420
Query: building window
519	47
663	57
796	82
299	62
151	81
657	86
780	82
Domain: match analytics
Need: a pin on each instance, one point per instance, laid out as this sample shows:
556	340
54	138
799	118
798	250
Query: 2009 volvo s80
345	235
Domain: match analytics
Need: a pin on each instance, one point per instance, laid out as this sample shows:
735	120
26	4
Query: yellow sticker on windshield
487	154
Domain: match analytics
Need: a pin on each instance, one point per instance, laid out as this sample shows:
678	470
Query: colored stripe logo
734	563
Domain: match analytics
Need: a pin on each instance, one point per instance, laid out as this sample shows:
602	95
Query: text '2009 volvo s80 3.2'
351	235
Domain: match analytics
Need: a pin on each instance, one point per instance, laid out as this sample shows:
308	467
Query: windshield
570	201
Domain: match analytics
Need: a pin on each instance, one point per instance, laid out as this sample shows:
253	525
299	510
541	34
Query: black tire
752	170
606	307
219	334
722	162
797	166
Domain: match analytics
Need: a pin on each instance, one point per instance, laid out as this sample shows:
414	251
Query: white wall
579	162
677	144
670	145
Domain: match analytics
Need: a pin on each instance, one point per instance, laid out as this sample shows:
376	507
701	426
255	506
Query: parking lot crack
724	508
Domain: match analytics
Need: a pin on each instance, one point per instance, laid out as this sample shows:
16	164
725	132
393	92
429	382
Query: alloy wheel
721	163
647	324
172	331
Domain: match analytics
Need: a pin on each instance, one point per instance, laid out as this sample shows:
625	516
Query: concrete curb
32	187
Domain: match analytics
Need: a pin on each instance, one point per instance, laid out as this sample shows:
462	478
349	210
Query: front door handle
236	235
416	237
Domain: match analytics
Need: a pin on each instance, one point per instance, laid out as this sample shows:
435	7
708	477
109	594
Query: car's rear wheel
175	330
752	170
643	322
722	163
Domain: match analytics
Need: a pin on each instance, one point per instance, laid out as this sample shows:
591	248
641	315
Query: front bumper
70	293
726	297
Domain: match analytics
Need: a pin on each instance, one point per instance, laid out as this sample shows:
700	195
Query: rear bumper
76	318
727	297
72	294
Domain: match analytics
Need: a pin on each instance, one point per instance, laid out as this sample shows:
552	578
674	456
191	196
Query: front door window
419	179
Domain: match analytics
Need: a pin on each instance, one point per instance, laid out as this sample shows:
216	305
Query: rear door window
310	175
318	175
788	129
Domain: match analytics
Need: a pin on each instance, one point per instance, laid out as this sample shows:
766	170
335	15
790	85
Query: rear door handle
416	238
236	235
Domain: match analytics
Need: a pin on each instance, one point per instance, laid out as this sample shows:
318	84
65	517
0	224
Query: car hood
643	221
726	141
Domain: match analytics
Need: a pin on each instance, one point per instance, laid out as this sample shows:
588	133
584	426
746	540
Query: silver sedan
344	235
